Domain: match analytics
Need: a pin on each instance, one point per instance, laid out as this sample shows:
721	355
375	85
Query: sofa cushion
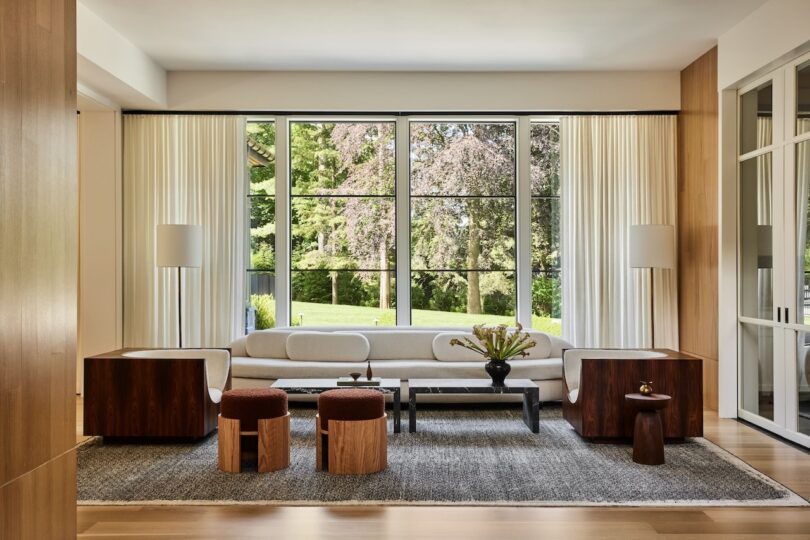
327	347
388	345
445	352
543	349
449	353
267	343
278	368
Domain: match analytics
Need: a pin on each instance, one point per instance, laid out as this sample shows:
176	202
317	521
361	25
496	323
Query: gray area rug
458	457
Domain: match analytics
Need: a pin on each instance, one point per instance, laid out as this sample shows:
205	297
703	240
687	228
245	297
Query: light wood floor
780	461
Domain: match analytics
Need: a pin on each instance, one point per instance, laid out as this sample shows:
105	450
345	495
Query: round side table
648	435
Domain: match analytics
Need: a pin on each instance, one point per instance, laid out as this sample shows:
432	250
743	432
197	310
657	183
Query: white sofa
262	357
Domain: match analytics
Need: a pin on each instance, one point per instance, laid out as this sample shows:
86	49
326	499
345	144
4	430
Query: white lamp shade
179	245
652	246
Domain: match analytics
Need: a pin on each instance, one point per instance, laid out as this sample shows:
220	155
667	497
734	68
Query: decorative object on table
346	381
648	433
179	246
369	373
355	375
646	388
652	246
498	345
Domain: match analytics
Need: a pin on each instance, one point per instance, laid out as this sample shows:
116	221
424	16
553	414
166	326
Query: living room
405	270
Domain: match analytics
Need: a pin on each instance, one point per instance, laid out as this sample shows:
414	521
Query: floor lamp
652	246
179	246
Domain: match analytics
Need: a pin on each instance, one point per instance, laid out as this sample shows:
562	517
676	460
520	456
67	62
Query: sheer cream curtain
184	169
616	171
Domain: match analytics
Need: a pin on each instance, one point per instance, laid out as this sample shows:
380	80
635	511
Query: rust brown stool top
248	405
350	404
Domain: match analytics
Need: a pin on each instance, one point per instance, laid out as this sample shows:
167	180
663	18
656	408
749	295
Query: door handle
787	315
778	314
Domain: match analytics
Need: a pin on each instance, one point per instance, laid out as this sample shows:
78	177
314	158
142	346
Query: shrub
265	306
546	296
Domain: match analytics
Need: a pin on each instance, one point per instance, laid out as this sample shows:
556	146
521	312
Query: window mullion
282	223
523	222
403	221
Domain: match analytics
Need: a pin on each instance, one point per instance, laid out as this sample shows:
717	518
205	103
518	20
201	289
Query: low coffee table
317	386
530	391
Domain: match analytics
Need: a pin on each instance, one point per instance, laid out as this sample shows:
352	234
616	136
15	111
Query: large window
342	212
462	223
335	259
261	144
545	176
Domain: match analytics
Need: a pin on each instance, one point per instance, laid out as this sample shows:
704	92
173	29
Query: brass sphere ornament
646	388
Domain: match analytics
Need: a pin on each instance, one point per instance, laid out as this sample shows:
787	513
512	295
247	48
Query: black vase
498	370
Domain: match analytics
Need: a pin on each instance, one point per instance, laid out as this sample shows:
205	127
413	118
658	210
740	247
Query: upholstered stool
259	412
351	432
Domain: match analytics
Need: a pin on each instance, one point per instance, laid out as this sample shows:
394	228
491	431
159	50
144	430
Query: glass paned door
761	266
802	357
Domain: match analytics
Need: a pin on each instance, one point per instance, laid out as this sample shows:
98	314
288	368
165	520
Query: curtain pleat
616	171
184	169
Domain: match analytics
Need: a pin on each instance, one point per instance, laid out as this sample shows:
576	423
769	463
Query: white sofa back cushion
327	346
400	344
268	343
447	353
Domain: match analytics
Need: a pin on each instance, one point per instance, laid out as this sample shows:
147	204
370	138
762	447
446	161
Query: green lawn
328	314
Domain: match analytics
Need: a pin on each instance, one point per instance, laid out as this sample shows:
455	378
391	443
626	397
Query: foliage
497	343
546	296
265	307
343	219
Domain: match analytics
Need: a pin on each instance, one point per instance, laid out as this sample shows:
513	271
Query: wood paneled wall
38	260
697	218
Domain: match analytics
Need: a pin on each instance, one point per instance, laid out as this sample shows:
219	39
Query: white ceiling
462	35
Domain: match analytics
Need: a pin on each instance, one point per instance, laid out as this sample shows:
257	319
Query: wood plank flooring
784	463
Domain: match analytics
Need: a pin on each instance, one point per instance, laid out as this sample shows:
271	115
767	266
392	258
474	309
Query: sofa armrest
238	347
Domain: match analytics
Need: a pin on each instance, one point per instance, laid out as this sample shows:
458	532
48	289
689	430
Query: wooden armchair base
273	444
352	446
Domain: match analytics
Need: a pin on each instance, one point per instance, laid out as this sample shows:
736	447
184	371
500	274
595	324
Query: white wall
100	279
424	91
770	36
112	65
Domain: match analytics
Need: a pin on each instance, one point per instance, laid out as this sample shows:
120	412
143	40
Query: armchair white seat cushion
572	363
217	365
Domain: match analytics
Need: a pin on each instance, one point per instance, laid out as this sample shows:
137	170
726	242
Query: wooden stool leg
358	446
648	439
274	443
229	445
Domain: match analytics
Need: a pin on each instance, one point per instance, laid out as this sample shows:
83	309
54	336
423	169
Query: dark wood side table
648	435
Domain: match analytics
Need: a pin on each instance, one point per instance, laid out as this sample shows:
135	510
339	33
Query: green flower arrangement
497	343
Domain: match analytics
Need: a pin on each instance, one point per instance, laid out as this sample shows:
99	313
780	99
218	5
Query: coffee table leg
411	411
531	409
397	408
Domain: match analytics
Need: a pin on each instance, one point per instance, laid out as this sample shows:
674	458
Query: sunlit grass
312	314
